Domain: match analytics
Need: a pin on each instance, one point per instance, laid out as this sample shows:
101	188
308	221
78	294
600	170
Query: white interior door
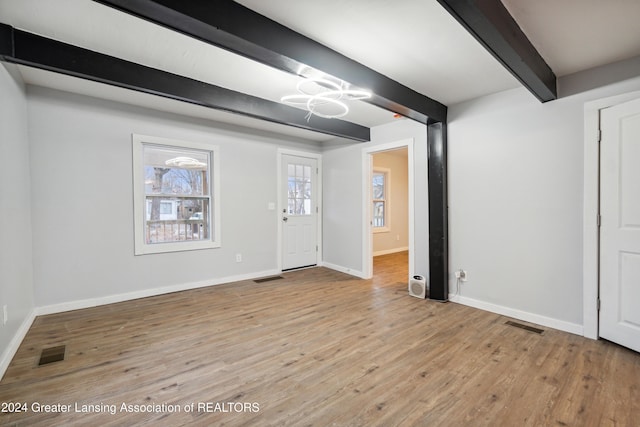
620	225
299	211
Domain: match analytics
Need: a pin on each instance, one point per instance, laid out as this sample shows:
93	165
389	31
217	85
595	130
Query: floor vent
268	279
525	327
52	354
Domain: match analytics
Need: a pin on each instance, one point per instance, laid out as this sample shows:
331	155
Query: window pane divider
174	196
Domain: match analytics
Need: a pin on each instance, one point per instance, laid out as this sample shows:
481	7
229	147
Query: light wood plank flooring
318	348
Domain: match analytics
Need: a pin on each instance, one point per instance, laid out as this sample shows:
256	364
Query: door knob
285	219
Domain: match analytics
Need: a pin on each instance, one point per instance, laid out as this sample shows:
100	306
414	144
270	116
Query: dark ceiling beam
492	25
231	26
21	47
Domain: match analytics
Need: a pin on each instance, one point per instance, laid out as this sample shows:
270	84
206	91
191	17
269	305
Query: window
175	195
380	198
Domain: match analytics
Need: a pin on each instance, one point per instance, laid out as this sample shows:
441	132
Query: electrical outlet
462	275
238	257
5	314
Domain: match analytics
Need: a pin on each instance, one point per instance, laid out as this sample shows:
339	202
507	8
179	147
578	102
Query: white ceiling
415	42
576	35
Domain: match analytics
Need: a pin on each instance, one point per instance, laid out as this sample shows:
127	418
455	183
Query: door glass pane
300	189
292	189
299	185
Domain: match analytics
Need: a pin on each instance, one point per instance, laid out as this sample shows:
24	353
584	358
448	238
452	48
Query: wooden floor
317	348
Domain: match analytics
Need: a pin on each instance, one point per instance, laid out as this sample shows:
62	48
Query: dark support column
438	212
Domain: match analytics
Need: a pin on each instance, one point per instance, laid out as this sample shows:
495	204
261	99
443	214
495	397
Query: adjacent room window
380	186
175	195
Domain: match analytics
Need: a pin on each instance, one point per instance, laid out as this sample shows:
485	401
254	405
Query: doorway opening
388	208
390	211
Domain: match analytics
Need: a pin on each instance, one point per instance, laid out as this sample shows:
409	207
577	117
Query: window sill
160	248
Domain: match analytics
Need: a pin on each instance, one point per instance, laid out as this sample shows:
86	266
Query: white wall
16	282
343	211
516	201
397	236
82	197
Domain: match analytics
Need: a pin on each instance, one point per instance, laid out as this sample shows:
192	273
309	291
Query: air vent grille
52	354
525	327
268	279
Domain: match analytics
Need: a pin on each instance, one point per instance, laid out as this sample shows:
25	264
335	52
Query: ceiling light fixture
324	97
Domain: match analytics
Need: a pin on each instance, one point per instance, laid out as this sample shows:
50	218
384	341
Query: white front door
620	224
299	211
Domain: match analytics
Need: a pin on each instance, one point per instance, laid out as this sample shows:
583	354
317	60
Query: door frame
367	229
591	210
311	155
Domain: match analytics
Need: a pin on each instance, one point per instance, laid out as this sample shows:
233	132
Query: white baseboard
12	348
391	251
110	299
549	322
342	269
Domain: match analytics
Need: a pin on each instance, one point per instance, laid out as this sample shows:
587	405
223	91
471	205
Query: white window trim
140	245
387	196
